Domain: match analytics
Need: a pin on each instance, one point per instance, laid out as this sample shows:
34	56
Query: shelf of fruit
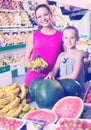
10	59
84	45
13	38
11	5
14	18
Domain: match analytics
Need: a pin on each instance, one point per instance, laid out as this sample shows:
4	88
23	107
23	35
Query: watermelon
32	87
71	87
43	115
48	93
69	107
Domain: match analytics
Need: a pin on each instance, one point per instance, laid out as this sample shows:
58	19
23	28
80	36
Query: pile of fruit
70	124
11	123
14	101
11	5
38	64
14	18
88	97
11	59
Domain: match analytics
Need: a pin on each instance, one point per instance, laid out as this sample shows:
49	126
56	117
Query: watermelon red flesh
69	107
48	116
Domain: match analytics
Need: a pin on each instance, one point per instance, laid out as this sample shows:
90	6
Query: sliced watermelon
69	107
44	115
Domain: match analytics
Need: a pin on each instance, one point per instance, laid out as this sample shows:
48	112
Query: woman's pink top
48	47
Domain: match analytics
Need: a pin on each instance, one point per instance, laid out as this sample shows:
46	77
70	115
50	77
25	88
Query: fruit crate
9	123
87	96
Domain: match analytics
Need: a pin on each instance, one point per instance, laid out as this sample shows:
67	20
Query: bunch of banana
13	100
38	64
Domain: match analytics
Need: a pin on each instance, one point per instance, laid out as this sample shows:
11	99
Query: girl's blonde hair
75	29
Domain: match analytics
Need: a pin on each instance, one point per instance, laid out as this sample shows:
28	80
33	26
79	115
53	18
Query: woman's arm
29	48
77	67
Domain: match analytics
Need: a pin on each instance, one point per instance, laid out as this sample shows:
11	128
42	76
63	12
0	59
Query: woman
46	42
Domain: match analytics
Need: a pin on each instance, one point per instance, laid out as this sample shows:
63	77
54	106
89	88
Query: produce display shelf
22	28
12	47
4	69
15	72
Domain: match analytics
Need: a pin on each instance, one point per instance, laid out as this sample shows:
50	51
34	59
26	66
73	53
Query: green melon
48	93
71	87
32	87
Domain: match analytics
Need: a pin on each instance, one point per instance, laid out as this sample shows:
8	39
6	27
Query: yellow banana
37	62
22	94
13	86
2	95
15	102
15	91
2	114
5	109
10	96
21	115
26	108
24	102
4	88
44	63
3	101
11	112
31	64
2	106
18	111
1	90
32	109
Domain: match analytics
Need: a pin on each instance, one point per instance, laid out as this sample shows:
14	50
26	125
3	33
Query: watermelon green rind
69	107
42	114
49	92
71	87
32	87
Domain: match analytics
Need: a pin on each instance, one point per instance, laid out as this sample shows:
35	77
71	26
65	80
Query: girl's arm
29	48
54	71
77	67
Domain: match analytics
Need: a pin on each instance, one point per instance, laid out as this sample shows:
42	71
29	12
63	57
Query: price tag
21	69
5	79
17	19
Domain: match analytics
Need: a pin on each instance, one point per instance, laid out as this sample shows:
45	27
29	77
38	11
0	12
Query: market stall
45	107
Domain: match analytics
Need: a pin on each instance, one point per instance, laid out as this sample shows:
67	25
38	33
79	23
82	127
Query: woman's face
43	17
69	38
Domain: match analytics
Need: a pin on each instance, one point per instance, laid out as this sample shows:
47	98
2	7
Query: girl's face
43	17
69	38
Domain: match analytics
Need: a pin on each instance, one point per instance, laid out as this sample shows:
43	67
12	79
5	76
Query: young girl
70	62
45	42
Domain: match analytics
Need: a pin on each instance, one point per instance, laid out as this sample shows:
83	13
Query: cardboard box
5	76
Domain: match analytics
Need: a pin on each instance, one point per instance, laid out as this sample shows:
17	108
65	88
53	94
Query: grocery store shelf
20	28
12	47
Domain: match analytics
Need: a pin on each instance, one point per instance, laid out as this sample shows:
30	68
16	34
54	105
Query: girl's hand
50	76
59	78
